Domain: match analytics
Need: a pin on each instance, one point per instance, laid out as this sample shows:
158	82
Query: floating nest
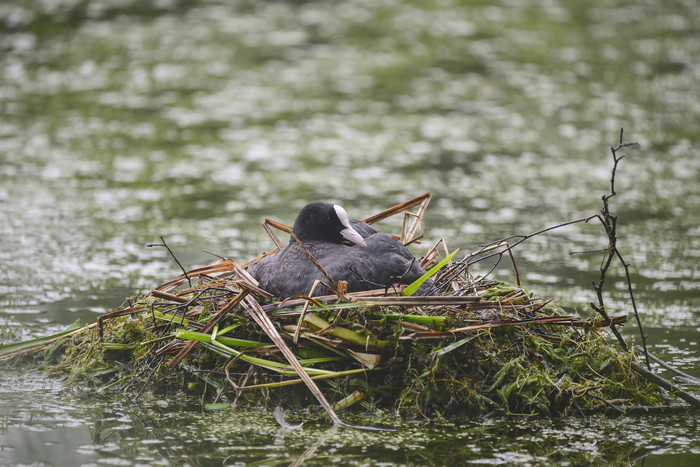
474	345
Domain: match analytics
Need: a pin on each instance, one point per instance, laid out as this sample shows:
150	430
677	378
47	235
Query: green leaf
281	368
454	345
411	289
10	348
436	321
230	341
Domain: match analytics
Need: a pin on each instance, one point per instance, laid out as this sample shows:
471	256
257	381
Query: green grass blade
436	321
230	341
11	348
357	338
454	345
281	368
411	289
172	318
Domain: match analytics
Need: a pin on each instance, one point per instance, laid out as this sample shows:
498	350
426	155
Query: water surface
125	121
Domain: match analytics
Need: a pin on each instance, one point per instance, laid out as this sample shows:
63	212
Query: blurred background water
122	121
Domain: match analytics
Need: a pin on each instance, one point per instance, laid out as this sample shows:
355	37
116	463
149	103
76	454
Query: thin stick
313	260
634	306
216	268
278	225
169	296
515	267
689	398
303	312
171	254
398	208
609	222
470	258
44	344
249	373
670	368
558	320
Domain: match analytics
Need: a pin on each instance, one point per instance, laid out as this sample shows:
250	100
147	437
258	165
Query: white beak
351	234
348	232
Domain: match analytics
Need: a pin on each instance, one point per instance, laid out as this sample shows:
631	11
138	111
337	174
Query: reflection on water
124	121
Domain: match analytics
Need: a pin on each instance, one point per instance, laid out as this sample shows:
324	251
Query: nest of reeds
473	345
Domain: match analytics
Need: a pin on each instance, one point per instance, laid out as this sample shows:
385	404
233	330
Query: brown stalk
303	311
313	260
432	253
278	225
219	267
424	198
559	320
169	296
686	396
409	236
425	300
260	317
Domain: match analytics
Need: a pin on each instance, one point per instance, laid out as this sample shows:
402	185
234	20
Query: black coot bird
348	250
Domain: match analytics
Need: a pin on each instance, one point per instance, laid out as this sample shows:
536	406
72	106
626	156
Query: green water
124	121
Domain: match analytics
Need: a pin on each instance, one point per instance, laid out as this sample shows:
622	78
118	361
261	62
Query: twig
424	198
278	225
515	268
303	311
313	260
634	306
686	396
476	256
670	368
557	320
609	222
150	245
169	296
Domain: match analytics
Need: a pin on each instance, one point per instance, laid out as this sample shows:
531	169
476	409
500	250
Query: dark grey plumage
336	243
